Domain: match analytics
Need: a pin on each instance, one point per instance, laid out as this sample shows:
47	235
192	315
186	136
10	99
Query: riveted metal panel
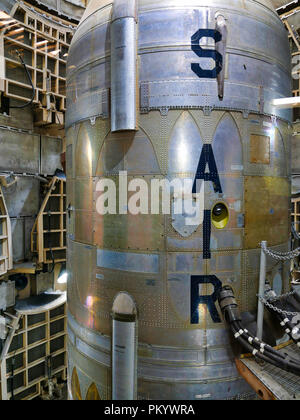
84	262
83	193
227	239
184	147
127	151
90	370
27	191
88	105
279	148
20	152
88	360
21	229
128	231
158	128
259	149
84	226
227	146
266	211
136	263
71	135
90	137
51	149
84	153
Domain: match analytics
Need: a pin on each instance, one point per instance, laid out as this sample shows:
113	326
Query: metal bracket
221	27
245	114
207	110
164	111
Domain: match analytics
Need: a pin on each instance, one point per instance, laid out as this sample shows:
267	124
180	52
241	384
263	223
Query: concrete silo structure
188	95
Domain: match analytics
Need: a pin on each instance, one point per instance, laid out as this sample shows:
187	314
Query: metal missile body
196	110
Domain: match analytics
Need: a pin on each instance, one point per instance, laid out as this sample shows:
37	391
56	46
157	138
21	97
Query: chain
281	256
274	308
275	298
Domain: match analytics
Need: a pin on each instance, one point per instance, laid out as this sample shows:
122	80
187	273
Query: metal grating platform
44	302
270	382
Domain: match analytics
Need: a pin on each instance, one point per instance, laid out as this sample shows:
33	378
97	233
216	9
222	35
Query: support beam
261	390
13	327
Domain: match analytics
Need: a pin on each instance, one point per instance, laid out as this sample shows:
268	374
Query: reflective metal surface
150	256
124	66
124	348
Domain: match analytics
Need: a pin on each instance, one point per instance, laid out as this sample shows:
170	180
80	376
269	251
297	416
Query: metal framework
296	213
296	223
48	236
33	341
294	35
43	42
269	382
5	238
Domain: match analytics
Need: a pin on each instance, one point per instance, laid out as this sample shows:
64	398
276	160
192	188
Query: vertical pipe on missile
124	348
261	291
124	66
221	27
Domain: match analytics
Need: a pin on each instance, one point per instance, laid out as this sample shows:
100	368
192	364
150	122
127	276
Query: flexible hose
279	360
249	342
30	80
256	342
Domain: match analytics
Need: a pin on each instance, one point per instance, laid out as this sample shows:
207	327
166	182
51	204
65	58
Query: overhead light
287	102
63	277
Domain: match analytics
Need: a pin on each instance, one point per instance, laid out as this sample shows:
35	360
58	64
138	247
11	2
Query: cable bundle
282	306
249	342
